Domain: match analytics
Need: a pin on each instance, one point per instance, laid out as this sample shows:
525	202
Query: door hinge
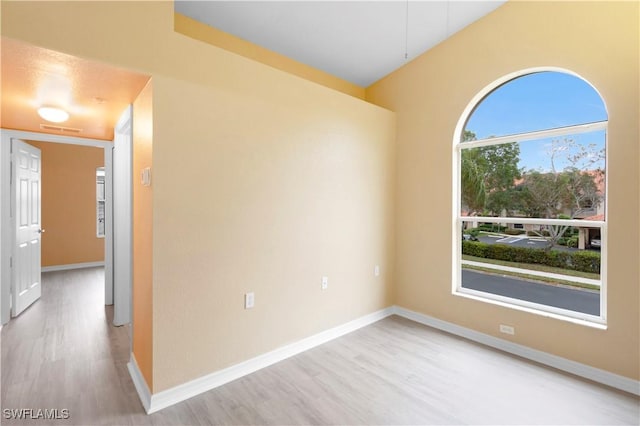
10	261
10	172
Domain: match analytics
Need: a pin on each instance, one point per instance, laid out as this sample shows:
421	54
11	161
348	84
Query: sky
540	101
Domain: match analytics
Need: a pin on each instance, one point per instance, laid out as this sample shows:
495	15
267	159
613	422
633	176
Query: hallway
65	345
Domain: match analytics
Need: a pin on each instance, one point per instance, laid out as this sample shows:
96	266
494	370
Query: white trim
532	273
547	311
140	383
540	134
47	137
202	384
69	266
534	221
586	371
108	226
123	218
156	402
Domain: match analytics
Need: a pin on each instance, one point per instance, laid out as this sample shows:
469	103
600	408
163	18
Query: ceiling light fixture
53	114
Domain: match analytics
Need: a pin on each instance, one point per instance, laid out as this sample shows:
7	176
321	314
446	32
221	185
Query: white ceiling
359	41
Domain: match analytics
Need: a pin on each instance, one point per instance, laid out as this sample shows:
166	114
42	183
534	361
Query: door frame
6	234
122	229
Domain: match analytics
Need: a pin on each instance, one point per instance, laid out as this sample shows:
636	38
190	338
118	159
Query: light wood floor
63	353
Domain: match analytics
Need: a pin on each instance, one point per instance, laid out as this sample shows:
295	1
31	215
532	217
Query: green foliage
474	232
547	195
513	231
571	231
572	241
475	248
472	181
579	260
491	181
488	175
588	261
491	227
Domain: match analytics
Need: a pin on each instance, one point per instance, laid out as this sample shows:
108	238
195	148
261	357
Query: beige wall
262	181
143	234
599	41
264	193
69	203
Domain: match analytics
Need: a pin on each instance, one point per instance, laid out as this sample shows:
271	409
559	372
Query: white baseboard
71	266
195	387
597	375
140	383
166	398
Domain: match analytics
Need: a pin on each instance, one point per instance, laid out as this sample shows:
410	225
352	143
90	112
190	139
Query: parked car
595	243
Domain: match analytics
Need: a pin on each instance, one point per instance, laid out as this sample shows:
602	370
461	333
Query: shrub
584	261
572	231
491	227
472	231
475	248
513	231
572	241
587	261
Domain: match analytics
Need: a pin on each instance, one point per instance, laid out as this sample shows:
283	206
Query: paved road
521	241
574	300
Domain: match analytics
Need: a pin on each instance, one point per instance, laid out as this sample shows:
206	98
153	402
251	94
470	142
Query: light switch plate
146	176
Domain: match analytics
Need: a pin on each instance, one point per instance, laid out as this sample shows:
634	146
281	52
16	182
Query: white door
26	196
122	218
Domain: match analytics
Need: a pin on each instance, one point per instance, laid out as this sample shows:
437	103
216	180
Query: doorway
7	222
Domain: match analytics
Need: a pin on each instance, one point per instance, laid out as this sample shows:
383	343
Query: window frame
458	219
101	199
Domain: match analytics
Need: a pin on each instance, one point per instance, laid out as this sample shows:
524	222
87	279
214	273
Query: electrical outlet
325	283
376	271
507	329
249	300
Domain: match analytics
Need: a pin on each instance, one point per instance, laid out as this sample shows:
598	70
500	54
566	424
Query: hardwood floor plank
63	352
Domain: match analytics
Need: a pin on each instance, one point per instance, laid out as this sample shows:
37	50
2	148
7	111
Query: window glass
544	100
532	197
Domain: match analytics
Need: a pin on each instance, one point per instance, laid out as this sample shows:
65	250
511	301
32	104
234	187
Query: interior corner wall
69	210
142	291
597	40
264	193
262	182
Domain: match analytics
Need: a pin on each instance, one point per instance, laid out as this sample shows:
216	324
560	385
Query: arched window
530	225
